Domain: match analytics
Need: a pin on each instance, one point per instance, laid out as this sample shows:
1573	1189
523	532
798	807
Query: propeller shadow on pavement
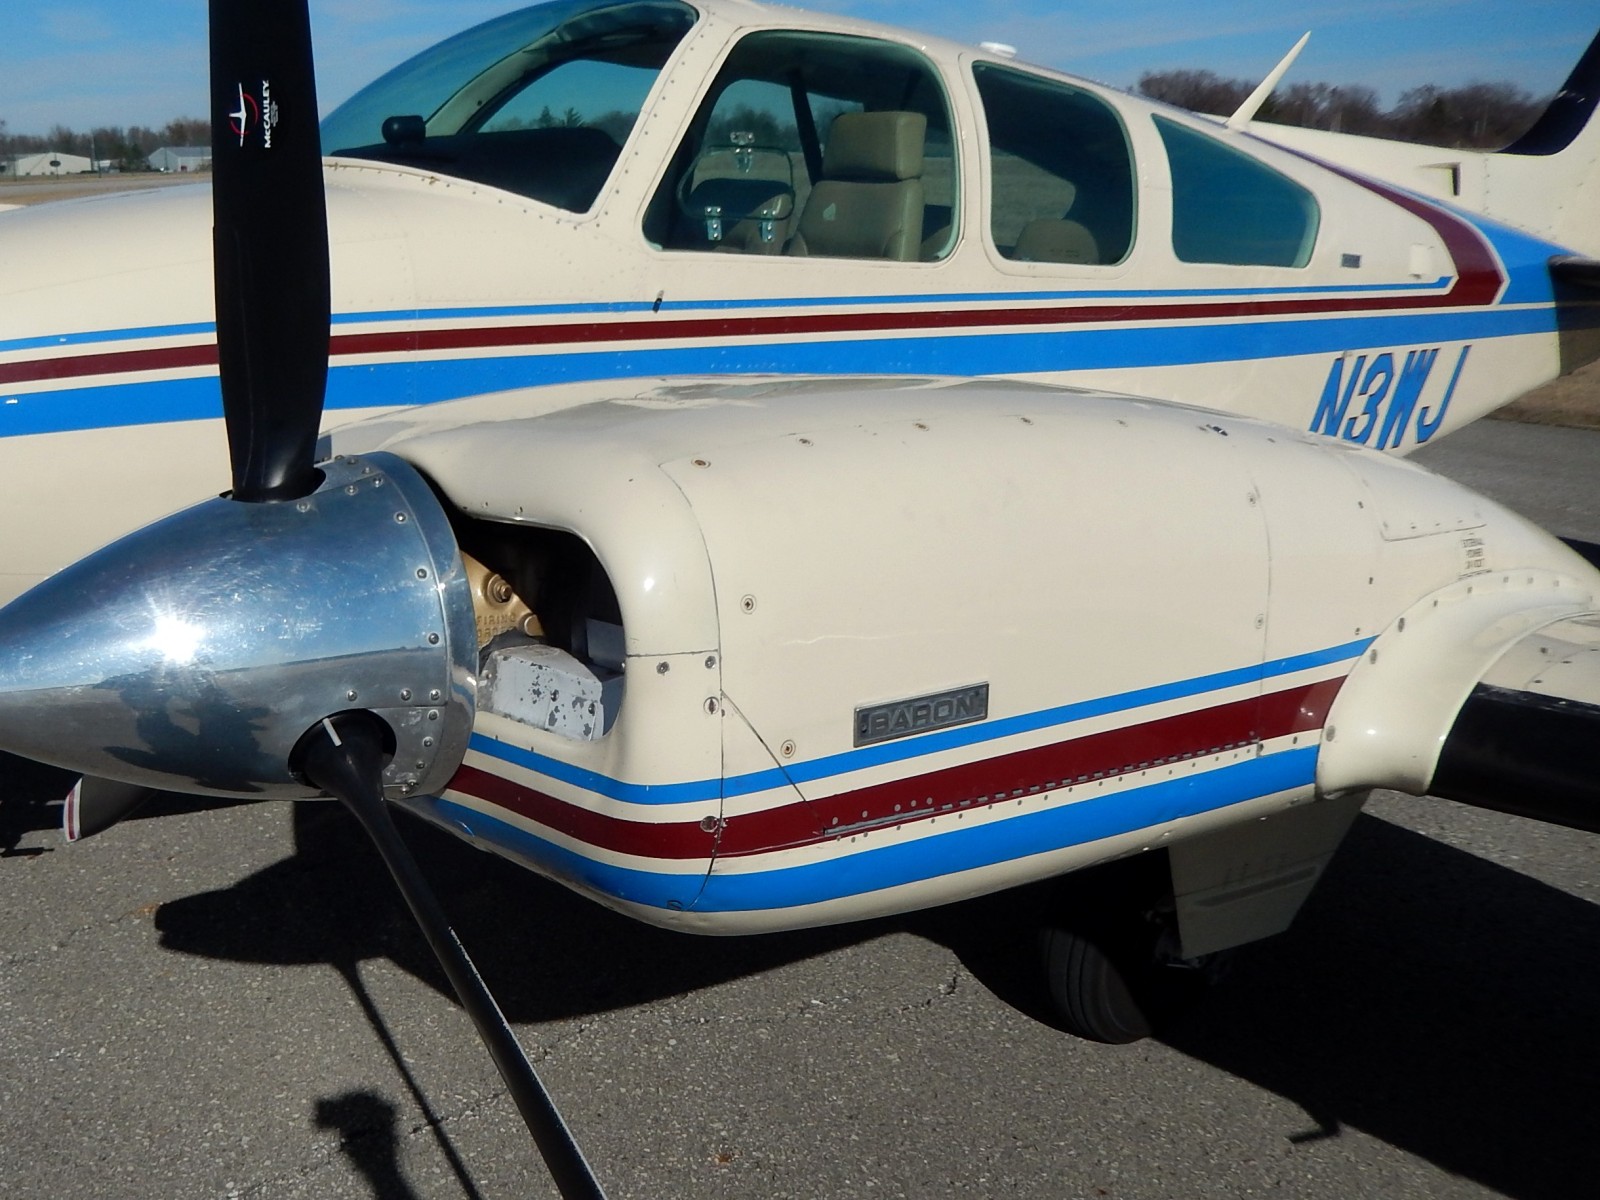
1425	996
30	802
546	952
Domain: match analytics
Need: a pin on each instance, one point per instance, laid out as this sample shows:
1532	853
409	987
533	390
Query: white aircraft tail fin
1569	118
1547	182
1560	158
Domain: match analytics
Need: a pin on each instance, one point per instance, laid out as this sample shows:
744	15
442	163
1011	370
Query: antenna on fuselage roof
1246	112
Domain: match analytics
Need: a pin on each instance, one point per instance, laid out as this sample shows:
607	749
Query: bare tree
1477	115
186	131
1198	91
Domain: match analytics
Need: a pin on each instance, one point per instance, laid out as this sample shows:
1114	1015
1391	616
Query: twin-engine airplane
586	191
853	620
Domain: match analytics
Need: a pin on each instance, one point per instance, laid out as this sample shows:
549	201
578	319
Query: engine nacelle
877	645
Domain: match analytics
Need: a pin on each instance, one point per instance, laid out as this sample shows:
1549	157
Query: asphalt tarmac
233	1004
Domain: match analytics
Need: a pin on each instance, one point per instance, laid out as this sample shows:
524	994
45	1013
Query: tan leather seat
1050	240
868	203
744	216
739	198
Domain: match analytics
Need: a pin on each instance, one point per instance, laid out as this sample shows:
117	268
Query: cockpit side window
814	144
578	93
1061	172
1230	208
538	102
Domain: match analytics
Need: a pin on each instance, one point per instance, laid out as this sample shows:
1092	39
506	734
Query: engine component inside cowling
497	606
549	628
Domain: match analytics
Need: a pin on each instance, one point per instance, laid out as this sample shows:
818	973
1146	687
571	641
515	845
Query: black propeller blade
273	650
270	242
344	756
264	625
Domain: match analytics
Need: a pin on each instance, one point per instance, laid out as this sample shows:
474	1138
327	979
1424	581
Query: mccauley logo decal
253	114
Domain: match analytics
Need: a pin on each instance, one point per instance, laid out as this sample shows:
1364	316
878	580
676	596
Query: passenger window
816	145
1061	171
1227	207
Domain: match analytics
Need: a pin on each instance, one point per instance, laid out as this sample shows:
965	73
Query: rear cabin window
1228	207
1061	171
814	145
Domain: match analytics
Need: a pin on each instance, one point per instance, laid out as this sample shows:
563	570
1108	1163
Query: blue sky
83	63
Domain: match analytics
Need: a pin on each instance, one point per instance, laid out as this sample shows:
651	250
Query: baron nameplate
902	718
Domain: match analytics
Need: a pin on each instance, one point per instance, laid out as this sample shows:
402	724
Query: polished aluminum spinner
192	655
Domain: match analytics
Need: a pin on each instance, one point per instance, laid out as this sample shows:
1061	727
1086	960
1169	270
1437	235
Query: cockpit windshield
537	102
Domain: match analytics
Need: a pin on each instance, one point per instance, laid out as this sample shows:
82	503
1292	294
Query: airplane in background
801	590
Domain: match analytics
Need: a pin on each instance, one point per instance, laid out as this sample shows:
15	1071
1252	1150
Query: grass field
1572	400
44	188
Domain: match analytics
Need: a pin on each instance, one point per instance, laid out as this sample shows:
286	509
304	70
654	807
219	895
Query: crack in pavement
20	958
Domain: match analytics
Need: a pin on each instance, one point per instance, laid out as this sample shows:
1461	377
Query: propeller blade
344	756
270	241
95	805
273	649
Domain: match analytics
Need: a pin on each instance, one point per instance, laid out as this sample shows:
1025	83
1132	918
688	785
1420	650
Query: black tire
1108	947
1093	995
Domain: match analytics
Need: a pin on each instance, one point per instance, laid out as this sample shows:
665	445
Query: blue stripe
904	750
922	299
961	849
491	312
1526	258
194	329
507	311
938	352
594	781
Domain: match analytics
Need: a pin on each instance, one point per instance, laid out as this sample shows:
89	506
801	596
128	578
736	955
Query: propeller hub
192	655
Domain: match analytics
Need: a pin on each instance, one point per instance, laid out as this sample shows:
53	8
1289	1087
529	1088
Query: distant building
51	162
181	158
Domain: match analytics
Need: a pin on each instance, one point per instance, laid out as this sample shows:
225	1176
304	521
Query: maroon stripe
720	328
1479	278
970	787
669	839
1478	282
113	363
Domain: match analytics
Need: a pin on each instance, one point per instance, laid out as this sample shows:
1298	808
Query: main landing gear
1109	949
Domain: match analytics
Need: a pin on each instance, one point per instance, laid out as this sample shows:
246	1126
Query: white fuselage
1404	321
